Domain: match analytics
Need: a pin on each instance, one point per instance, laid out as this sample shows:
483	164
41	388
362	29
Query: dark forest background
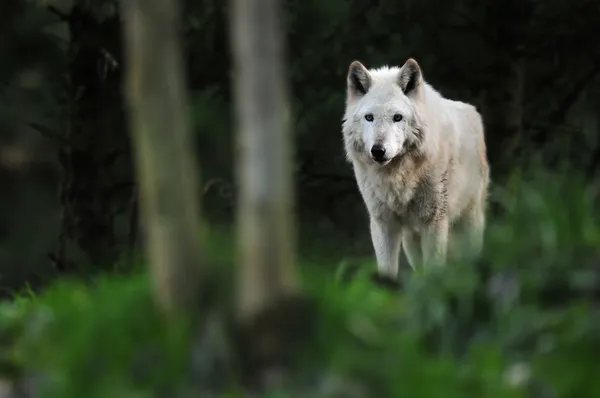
68	198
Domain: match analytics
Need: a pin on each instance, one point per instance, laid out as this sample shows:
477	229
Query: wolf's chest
408	201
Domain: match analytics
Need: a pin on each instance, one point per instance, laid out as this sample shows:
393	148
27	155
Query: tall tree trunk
166	167
264	173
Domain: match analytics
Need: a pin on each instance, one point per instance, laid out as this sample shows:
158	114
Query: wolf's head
382	119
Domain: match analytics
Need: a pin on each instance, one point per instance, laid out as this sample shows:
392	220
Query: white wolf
420	164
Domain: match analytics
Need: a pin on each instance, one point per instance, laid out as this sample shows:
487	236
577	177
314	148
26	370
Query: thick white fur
429	195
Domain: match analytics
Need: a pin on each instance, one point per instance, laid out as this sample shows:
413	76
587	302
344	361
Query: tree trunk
264	173
166	167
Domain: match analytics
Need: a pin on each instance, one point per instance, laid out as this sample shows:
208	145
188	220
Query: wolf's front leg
435	243
386	236
411	244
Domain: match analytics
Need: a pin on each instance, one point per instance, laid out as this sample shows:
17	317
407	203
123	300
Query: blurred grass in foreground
521	322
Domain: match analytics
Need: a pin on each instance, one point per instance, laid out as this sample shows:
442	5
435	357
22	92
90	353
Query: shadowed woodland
177	215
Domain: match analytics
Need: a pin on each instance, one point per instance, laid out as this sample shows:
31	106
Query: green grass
522	322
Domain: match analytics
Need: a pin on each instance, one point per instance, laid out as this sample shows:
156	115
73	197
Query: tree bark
166	167
266	240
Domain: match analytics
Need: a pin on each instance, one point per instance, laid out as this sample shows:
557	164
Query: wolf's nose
378	152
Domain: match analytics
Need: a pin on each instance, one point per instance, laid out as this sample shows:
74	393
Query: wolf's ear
410	76
359	80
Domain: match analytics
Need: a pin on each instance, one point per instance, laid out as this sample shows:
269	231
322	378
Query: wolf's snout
378	152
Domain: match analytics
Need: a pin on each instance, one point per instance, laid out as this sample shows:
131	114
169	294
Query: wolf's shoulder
460	107
463	114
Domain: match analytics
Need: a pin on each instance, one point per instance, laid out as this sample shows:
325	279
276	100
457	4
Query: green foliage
522	322
84	339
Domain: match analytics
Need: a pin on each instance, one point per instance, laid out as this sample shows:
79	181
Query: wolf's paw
386	282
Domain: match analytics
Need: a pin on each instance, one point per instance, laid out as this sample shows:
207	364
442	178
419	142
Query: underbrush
524	321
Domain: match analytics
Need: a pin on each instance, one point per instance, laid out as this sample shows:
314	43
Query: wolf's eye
369	117
397	117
